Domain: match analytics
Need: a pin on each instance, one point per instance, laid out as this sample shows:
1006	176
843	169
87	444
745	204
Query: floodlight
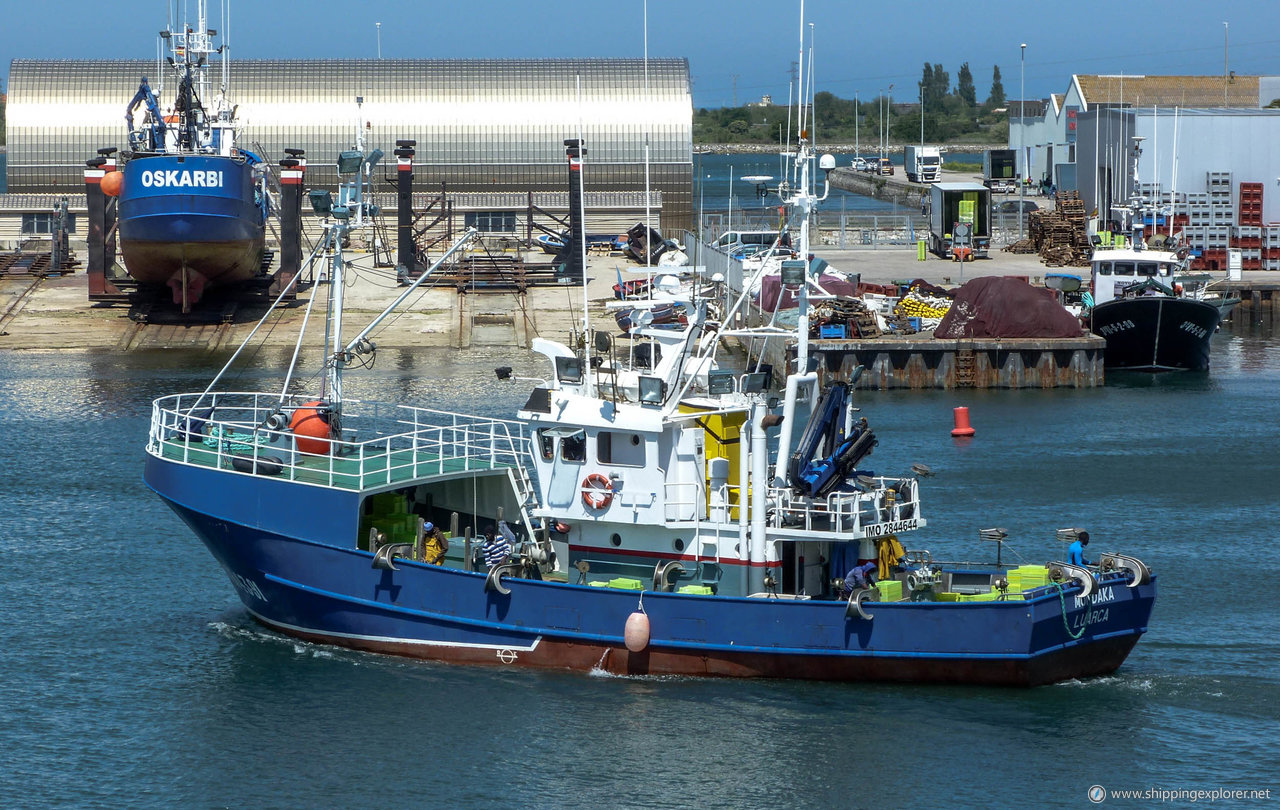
321	201
755	382
569	369
349	162
651	390
720	382
793	273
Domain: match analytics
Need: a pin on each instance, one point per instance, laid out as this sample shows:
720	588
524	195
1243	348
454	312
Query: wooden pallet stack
1059	236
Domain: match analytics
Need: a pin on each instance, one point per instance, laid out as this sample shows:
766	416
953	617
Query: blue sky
747	45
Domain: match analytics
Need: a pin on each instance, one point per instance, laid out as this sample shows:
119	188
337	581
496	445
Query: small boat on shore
193	204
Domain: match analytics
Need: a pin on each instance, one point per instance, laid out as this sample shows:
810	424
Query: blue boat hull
190	221
288	549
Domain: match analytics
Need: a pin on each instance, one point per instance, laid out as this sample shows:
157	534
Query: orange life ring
597	491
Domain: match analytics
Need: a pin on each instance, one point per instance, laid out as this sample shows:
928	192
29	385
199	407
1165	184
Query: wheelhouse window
574	447
1124	268
546	445
620	448
1104	268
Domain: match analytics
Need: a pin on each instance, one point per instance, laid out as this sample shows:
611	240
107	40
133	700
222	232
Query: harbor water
132	676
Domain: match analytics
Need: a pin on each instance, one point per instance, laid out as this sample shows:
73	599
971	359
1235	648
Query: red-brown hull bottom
1098	658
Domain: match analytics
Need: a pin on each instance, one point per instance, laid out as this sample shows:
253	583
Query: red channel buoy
636	634
310	429
962	427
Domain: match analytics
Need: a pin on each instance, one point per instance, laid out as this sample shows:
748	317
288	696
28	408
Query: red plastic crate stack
1211	260
1250	207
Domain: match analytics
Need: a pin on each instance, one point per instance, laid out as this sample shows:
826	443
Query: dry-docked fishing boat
193	203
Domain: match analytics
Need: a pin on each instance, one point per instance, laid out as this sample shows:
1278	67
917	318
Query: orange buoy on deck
311	429
111	183
962	427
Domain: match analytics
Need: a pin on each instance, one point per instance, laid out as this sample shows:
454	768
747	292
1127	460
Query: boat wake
256	634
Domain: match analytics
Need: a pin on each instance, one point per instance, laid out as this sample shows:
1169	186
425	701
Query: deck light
720	382
321	201
349	162
651	390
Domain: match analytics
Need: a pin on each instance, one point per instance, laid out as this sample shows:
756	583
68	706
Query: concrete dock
54	313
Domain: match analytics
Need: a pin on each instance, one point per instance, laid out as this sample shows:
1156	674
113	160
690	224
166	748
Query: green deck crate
626	584
946	596
703	590
890	590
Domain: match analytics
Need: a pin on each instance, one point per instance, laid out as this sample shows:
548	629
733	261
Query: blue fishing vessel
193	204
652	513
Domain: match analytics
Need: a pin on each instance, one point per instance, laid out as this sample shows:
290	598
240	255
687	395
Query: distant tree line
951	115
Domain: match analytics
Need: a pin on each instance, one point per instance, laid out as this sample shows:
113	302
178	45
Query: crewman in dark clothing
860	577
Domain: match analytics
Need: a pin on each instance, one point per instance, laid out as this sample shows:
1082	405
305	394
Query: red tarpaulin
770	286
997	306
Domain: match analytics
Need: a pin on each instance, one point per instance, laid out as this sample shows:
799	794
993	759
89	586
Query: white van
732	240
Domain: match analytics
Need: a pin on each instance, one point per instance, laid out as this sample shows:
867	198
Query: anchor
493	582
1067	571
665	574
385	556
855	603
1121	562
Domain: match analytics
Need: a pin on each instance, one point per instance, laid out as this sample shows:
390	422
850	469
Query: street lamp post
1022	123
888	110
378	26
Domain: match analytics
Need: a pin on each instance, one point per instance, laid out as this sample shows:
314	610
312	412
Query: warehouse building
490	133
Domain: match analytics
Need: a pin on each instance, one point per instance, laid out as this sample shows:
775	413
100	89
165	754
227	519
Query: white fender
636	633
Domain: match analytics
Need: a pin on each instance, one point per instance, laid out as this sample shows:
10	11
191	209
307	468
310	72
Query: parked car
885	166
861	164
1011	207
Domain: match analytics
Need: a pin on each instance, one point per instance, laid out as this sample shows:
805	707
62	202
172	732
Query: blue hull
288	549
198	213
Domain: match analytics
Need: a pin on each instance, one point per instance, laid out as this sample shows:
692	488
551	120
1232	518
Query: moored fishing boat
193	204
666	518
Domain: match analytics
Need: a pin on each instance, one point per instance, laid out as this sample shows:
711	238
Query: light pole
378	25
879	127
1022	110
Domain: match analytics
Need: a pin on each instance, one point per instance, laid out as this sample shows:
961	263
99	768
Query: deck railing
378	445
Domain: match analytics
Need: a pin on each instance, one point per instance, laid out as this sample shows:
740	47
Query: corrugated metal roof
1183	91
1030	107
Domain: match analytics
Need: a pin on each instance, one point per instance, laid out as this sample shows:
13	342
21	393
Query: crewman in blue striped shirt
496	547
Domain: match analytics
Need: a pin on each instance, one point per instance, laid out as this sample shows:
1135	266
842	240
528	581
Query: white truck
923	164
1000	170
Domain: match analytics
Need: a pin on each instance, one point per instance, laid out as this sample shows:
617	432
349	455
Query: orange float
597	491
310	428
112	182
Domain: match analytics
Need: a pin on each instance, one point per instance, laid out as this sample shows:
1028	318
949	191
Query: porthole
678	545
616	539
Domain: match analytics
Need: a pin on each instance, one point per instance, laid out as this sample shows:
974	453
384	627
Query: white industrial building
1047	137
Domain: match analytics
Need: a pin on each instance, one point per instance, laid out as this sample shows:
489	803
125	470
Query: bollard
962	427
920	250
